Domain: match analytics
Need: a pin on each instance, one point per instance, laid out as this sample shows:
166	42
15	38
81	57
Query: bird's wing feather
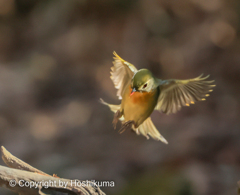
177	93
147	128
113	108
121	73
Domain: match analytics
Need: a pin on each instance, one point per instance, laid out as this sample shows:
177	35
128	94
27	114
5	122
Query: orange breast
139	105
140	97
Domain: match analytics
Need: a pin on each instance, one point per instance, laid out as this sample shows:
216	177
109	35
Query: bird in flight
141	93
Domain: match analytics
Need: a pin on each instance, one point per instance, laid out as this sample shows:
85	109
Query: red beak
133	91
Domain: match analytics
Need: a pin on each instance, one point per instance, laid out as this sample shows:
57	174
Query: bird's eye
144	86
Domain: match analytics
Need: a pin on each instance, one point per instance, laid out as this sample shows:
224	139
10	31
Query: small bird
142	93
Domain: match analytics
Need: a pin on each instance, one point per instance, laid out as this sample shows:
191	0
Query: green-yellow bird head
143	81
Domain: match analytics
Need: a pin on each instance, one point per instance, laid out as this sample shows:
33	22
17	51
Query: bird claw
127	125
117	115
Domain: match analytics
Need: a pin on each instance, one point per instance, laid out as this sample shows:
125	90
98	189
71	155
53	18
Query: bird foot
117	115
126	126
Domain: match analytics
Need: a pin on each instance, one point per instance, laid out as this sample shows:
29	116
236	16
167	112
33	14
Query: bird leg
116	116
126	126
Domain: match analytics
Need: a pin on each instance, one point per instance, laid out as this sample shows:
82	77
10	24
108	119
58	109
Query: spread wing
177	93
121	73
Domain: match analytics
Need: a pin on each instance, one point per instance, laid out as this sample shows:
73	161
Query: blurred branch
23	179
14	162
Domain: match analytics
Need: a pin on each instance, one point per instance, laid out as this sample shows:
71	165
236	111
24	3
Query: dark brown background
55	59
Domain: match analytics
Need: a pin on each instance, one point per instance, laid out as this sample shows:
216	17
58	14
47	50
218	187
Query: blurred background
55	59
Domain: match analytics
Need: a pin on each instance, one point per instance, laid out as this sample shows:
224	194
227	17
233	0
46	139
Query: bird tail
148	128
